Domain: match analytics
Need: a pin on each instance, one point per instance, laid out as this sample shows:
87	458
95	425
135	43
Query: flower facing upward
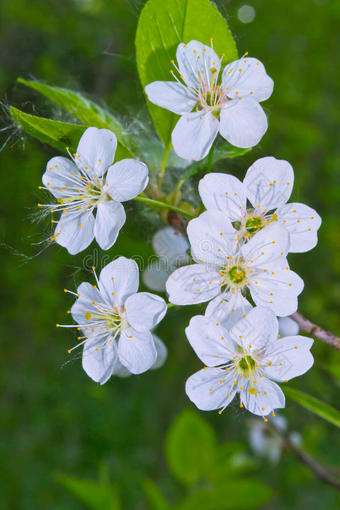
246	360
90	183
226	269
116	322
267	187
208	105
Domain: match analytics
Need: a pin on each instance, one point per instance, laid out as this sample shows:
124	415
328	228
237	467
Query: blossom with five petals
91	182
116	322
244	360
209	106
267	186
225	268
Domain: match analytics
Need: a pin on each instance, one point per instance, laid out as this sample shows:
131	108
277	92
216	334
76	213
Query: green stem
163	166
163	205
210	159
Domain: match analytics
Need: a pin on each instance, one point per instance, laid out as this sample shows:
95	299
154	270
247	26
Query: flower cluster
239	244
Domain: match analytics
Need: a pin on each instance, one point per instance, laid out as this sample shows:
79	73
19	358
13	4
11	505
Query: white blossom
244	360
171	248
89	183
226	268
288	327
116	322
267	187
208	104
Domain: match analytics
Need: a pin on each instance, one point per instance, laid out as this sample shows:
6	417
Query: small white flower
90	182
244	360
226	268
116	322
208	105
288	327
265	440
171	248
267	186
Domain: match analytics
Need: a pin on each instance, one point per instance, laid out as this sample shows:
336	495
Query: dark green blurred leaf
161	27
234	495
94	495
315	405
53	132
88	112
231	460
154	496
190	447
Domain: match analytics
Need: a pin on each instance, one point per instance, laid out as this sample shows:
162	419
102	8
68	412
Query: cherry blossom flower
244	360
226	269
267	186
171	248
89	183
288	327
116	322
209	105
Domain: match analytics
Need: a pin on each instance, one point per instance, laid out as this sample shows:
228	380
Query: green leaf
94	495
86	111
154	496
228	151
233	495
162	25
315	405
54	133
190	447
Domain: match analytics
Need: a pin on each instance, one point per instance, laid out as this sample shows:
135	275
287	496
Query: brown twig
313	329
321	472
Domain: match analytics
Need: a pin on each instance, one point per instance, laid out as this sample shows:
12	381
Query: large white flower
116	322
209	105
246	360
90	182
227	268
171	248
267	186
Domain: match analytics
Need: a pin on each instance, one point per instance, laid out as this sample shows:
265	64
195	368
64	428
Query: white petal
206	390
248	77
195	60
87	296
194	134
277	290
269	396
243	123
144	310
288	327
193	284
302	222
228	309
269	183
212	238
171	245
118	280
109	220
267	246
162	352
289	357
98	362
171	95
210	341
224	193
156	274
96	150
75	231
136	350
258	329
126	179
60	173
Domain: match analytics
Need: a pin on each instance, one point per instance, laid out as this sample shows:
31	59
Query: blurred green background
53	418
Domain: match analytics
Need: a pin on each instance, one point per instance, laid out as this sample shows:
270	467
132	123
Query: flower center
237	274
108	319
247	363
253	224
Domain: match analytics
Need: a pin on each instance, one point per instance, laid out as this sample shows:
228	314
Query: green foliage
315	405
94	495
161	27
228	151
154	496
53	132
86	111
190	447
